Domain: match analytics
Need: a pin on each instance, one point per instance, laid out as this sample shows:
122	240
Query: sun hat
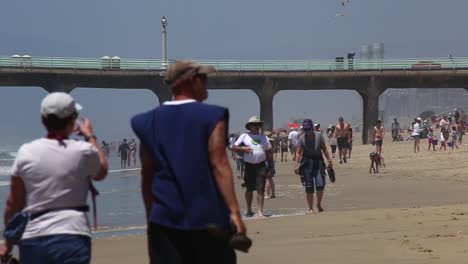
268	135
419	119
253	120
60	104
307	124
183	70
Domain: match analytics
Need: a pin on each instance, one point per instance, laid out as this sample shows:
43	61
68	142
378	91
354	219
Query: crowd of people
126	151
448	131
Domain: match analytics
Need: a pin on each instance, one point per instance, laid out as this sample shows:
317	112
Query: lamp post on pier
164	49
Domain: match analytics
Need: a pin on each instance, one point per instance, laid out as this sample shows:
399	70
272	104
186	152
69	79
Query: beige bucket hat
253	120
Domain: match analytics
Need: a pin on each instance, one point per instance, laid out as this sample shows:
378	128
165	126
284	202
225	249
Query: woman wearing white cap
51	178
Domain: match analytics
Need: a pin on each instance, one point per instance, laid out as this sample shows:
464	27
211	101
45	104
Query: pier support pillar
163	93
266	95
370	109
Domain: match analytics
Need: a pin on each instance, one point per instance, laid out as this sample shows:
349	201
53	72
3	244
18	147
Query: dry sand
414	211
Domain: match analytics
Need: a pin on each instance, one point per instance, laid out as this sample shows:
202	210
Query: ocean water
119	205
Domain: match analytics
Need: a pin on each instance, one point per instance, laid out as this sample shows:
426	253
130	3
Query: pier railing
124	64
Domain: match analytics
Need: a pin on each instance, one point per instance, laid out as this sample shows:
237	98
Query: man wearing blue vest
187	182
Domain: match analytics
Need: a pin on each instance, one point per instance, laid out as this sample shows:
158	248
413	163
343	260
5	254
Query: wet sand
413	211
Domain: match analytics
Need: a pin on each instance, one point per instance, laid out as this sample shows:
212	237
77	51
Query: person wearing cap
342	138
378	133
311	145
51	178
187	182
416	134
257	153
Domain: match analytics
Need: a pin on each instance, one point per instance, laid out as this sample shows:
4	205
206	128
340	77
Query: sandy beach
413	211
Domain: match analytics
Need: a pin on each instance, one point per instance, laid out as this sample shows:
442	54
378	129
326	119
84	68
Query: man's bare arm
148	165
223	173
299	152
325	152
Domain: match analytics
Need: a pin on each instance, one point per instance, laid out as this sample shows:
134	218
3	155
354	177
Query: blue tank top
185	194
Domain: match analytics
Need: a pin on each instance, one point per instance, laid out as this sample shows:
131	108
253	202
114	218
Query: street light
164	49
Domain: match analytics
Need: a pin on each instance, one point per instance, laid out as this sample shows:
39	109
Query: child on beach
454	137
444	136
432	139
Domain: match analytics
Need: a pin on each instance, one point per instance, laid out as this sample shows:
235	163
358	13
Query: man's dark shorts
168	245
379	142
342	143
284	149
255	176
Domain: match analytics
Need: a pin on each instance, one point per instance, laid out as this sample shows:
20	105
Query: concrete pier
370	84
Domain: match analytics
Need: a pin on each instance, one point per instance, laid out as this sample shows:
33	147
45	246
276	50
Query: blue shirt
185	194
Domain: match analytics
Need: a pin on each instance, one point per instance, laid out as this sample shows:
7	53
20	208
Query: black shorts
168	245
379	142
342	143
255	176
284	149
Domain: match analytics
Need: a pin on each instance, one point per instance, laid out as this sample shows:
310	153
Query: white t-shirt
293	137
416	130
56	175
258	143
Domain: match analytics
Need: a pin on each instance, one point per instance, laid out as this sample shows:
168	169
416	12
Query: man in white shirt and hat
257	153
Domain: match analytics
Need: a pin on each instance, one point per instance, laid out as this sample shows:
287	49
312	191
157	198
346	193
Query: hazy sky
216	29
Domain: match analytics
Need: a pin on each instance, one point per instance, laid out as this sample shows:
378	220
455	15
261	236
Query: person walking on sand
284	146
444	137
342	138
332	140
431	139
292	138
275	145
311	145
378	133
416	132
270	183
50	181
186	198
257	151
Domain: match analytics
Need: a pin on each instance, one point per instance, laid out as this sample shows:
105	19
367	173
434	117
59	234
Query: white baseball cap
60	104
